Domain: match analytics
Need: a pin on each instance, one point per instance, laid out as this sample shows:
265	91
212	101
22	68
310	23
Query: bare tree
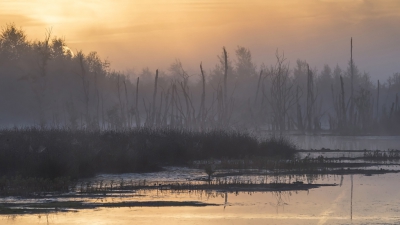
351	116
121	107
202	110
128	115
281	97
153	107
39	81
225	78
137	116
85	83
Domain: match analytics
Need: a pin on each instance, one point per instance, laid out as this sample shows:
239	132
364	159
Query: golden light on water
374	203
155	32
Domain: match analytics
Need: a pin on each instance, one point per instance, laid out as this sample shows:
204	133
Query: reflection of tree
198	194
341	180
226	199
351	202
282	197
312	177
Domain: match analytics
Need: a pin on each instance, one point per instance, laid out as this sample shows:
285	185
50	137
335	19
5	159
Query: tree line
43	83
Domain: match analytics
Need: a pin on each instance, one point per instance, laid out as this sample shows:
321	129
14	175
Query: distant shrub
277	147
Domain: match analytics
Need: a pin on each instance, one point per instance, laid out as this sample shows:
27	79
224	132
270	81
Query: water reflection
346	142
282	197
226	200
372	203
351	201
357	199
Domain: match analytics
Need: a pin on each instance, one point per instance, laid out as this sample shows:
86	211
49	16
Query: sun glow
68	51
155	32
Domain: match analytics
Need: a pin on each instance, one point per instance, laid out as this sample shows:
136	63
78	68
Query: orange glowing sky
138	33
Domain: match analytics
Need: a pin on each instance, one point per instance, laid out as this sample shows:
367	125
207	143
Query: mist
46	84
111	105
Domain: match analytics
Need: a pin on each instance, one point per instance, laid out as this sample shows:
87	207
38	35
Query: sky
133	34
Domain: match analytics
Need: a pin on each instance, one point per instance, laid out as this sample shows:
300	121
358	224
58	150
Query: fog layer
44	83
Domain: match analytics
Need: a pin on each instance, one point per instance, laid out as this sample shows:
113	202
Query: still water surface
346	142
376	200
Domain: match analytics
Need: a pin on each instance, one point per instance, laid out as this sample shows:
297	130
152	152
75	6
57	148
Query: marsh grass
378	155
305	165
56	153
219	183
277	148
67	206
19	186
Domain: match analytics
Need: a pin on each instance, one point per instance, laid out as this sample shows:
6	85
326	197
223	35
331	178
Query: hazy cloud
195	30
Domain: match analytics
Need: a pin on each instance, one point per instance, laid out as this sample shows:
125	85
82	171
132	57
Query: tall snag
85	83
281	97
343	119
258	87
202	111
377	102
137	116
40	81
153	106
128	116
351	116
225	78
121	106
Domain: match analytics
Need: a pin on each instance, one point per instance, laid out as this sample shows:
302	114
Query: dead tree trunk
128	116
377	102
153	107
97	125
258	87
85	84
121	107
343	119
351	116
225	98
39	82
172	120
137	116
225	75
300	124
202	110
102	112
164	120
310	99
281	97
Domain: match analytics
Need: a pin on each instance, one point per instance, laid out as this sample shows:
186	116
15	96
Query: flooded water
346	142
356	199
372	200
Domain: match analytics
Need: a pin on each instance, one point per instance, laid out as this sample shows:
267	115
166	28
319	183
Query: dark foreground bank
56	153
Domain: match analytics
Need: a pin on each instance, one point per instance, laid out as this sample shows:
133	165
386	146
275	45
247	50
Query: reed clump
31	186
54	153
378	155
277	147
